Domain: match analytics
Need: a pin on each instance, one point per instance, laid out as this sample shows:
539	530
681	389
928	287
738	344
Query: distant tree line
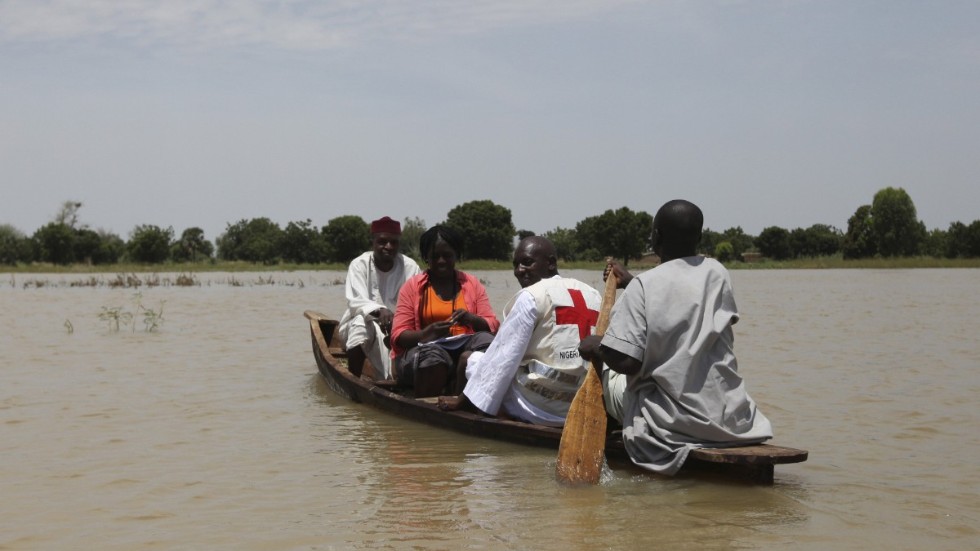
887	227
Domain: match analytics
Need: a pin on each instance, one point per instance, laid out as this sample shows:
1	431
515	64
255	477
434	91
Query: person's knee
360	334
431	380
479	341
613	387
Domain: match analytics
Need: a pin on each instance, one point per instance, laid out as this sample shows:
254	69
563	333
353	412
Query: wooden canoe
755	463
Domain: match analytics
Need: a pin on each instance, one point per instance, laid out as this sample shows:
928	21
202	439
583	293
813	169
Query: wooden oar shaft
583	440
608	298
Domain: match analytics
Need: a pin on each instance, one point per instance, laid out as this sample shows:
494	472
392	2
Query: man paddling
373	282
674	383
533	368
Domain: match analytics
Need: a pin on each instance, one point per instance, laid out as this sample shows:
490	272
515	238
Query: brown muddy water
214	430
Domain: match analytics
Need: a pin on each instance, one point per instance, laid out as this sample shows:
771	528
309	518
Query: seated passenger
532	369
674	383
373	282
438	303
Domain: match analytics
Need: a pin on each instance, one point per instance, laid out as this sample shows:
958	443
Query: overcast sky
765	113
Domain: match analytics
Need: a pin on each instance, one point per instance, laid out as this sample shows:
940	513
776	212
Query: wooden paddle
583	440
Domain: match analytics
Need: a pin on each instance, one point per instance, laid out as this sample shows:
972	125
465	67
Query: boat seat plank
759	454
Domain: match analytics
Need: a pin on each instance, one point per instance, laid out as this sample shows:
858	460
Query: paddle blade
583	440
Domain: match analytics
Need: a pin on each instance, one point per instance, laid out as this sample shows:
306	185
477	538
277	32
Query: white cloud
286	24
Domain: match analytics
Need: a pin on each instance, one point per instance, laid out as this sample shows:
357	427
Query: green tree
859	240
412	231
68	214
817	240
487	229
304	243
826	239
973	233
740	240
565	242
14	245
936	244
348	236
587	239
191	247
255	240
724	252
86	246
709	240
149	244
773	242
621	233
897	231
111	248
963	241
957	241
54	242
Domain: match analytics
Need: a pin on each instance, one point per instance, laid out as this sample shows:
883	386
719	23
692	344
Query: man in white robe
674	383
532	369
373	281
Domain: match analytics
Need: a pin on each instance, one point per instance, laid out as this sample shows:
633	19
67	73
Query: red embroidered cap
386	225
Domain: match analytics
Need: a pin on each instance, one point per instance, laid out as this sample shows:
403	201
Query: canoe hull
754	463
365	391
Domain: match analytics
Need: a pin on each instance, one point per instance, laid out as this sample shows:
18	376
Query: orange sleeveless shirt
437	309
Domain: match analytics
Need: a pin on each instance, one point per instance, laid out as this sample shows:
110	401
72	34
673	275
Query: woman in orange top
438	303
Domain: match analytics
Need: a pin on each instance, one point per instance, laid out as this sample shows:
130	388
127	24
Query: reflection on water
216	432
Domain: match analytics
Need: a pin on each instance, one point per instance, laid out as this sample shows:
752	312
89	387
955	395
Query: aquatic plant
151	318
125	281
115	317
36	283
92	281
186	280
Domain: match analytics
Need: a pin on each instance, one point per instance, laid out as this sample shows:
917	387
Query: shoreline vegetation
816	263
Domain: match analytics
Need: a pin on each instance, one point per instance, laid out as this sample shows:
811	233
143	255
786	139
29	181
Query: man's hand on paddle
588	348
623	277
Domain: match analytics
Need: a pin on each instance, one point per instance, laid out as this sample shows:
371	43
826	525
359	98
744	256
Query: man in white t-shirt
373	281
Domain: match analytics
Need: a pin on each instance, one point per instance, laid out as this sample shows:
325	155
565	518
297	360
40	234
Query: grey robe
677	320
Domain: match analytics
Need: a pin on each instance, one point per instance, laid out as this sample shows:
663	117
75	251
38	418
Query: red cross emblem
578	314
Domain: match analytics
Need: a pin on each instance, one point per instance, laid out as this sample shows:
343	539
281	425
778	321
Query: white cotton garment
532	369
368	289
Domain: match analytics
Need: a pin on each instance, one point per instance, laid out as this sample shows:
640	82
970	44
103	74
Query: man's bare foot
457	403
449	403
